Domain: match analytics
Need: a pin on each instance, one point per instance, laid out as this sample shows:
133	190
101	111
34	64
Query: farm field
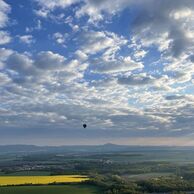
153	170
21	180
60	189
147	176
27	173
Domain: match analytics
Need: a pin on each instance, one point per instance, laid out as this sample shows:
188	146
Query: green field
60	189
27	173
147	176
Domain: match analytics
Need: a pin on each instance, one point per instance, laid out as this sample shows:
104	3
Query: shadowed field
65	189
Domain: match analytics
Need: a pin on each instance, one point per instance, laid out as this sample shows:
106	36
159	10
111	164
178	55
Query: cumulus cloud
136	80
4	79
27	39
21	66
167	25
81	55
52	4
46	7
49	60
175	97
45	67
94	8
123	65
41	13
4	37
4	54
180	97
4	11
60	38
4	19
107	46
96	41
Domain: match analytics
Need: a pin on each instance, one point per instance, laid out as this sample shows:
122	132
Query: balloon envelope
84	125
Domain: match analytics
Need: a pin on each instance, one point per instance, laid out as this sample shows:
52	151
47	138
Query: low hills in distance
85	148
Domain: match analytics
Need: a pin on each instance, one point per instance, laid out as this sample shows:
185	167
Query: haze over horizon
124	68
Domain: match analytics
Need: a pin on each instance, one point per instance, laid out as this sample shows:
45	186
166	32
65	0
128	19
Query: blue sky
125	68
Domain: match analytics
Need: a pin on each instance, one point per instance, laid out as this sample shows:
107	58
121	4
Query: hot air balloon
84	125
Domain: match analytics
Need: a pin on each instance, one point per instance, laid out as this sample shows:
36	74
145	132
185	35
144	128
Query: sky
126	68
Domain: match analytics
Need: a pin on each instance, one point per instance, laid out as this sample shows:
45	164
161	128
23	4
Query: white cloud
4	79
46	7
75	28
4	54
4	19
45	67
60	38
5	37
95	8
20	63
139	54
136	80
4	11
118	66
41	13
49	60
96	41
52	4
81	55
168	26
183	13
27	39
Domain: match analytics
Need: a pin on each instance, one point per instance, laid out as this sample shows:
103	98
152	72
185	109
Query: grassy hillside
64	189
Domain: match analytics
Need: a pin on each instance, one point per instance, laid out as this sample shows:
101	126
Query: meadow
60	189
43	180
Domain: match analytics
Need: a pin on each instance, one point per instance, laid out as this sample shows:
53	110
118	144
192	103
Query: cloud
136	80
94	8
56	89
96	41
46	7
38	27
4	54
27	39
4	11
5	37
52	4
41	13
127	74
123	65
180	69
49	60
45	67
20	63
81	55
167	25
60	38
180	97
107	46
4	79
175	97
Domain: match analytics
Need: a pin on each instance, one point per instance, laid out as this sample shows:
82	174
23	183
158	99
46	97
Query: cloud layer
126	68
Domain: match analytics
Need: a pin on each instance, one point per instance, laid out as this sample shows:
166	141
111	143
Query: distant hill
84	148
